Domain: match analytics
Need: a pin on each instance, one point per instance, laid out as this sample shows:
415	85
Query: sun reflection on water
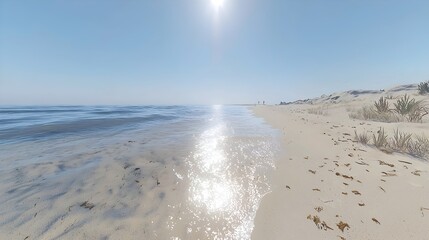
226	178
211	187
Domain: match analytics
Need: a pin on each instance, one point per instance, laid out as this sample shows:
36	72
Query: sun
217	4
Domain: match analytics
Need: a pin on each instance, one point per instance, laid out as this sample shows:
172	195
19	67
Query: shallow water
177	172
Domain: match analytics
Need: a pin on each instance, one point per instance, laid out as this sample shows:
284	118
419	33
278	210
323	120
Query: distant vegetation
322	110
405	109
400	142
423	88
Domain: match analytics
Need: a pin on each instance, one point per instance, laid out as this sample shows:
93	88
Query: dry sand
325	181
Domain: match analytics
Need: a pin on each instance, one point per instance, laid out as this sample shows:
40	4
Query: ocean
133	172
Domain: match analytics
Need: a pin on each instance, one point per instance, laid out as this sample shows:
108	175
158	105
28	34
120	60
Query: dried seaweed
388	174
385	163
404	162
342	225
376	221
344	176
362	163
320	224
356	192
87	205
318	209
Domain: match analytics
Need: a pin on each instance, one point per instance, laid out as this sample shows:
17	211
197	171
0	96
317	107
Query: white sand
324	144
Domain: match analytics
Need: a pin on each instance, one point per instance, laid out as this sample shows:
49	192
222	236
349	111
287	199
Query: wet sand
200	177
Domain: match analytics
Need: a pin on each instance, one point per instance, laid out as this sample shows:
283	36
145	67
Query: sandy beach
329	186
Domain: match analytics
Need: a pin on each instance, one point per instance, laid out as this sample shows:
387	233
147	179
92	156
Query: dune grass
417	146
423	88
380	140
382	106
322	110
362	137
369	113
405	109
400	140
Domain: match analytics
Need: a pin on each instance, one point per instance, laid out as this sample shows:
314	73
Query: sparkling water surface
159	172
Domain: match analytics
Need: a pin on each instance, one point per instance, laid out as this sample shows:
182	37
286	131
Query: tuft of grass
400	141
382	105
380	141
322	110
423	88
412	110
369	113
362	138
419	147
404	105
418	112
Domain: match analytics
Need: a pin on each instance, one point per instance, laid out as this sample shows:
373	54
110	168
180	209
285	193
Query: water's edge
196	172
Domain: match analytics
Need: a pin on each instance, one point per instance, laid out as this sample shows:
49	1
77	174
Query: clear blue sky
187	52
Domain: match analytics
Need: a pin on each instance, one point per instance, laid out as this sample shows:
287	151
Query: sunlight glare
217	4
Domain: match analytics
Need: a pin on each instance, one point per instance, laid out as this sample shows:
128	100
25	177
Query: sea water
132	172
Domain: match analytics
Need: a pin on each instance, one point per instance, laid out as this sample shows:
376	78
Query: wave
38	131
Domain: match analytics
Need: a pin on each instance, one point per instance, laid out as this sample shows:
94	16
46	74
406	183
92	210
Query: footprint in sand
356	192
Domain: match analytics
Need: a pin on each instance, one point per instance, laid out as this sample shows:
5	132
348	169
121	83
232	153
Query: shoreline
199	176
325	181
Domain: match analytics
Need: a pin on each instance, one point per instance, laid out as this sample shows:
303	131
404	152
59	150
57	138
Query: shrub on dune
423	88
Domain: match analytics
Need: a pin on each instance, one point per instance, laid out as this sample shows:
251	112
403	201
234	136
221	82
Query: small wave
38	131
16	111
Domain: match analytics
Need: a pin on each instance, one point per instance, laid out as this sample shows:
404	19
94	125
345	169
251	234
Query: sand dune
328	186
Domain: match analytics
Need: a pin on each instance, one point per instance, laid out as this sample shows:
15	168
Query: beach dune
328	186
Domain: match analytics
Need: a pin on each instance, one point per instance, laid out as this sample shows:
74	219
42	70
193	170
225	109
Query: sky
136	52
